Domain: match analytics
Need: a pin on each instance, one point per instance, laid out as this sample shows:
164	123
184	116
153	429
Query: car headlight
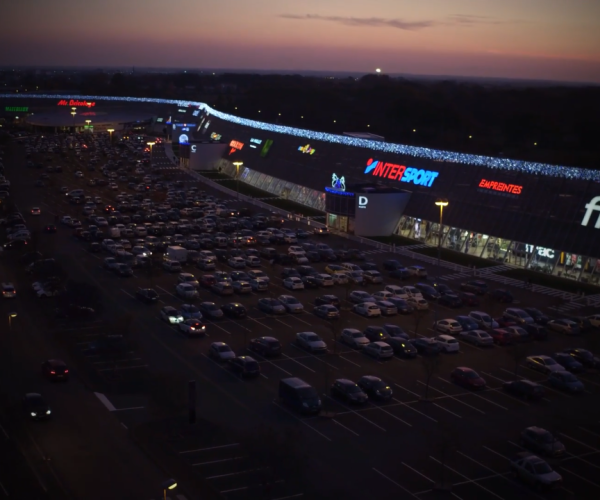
48	412
33	414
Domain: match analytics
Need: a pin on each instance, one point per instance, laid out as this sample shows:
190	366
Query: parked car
476	286
540	440
311	342
568	362
265	346
585	357
525	389
379	350
221	352
271	306
326	311
502	295
244	366
375	388
354	338
234	310
449	326
478	338
518	315
451	301
544	364
402	347
564	326
566	381
367	309
467	377
537	316
348	391
448	343
425	345
291	304
535	472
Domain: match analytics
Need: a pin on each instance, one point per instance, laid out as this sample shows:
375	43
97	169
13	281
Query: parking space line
261	324
209	448
452	397
411	392
357	414
466	477
130	408
351	362
114	368
312	356
127	293
496	453
589	432
115	361
579	442
302	421
218	461
580	477
284	324
446	409
419	473
347	428
298	362
395	483
406	405
169	293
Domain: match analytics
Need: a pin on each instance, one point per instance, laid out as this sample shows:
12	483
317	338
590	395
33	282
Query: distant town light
378	70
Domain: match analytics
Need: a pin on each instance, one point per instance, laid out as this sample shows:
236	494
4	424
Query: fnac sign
401	173
79	104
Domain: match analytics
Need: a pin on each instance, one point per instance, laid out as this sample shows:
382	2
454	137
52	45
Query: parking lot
431	435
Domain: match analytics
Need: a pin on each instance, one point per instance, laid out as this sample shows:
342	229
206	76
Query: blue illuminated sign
401	173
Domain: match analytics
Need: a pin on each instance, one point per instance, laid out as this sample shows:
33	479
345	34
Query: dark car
36	406
395	331
245	366
50	229
326	311
467	377
310	282
524	388
369	266
427	291
538	316
55	369
469	299
73	311
348	391
375	388
502	295
425	345
376	333
450	300
234	310
467	323
392	264
568	362
585	357
476	286
123	270
210	310
271	306
95	247
402	347
541	441
401	273
307	270
402	305
536	331
288	272
147	295
313	256
220	351
265	346
327	299
443	289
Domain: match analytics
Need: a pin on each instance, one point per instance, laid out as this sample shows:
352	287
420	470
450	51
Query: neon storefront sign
77	104
235	146
307	150
338	183
590	209
401	173
501	186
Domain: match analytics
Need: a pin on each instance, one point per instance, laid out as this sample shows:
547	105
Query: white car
449	326
418	271
8	291
44	292
101	222
293	283
311	342
253	261
419	304
79	174
448	343
242	287
292	304
397	291
368	309
259	274
360	296
379	350
544	364
237	262
259	285
383	295
477	337
296	249
188	278
354	338
339	279
186	291
351	267
594	320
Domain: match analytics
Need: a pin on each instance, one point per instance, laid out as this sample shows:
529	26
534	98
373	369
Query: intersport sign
402	173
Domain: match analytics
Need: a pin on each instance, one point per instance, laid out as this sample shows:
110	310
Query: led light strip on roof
387	147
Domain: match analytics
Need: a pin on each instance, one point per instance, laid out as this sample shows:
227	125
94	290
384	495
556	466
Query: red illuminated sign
73	102
235	146
501	186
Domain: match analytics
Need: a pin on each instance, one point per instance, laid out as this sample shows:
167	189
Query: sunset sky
541	39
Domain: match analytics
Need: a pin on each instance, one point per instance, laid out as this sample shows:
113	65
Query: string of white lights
384	147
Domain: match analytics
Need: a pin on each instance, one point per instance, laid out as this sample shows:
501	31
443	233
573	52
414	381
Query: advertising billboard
378	214
182	132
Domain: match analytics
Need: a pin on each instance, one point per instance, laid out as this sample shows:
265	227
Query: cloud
465	20
364	21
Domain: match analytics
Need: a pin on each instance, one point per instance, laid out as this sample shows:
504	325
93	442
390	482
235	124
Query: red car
467	377
469	299
504	322
501	336
55	369
207	280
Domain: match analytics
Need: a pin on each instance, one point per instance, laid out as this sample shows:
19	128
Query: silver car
449	326
354	338
477	337
544	364
565	326
311	342
379	350
292	304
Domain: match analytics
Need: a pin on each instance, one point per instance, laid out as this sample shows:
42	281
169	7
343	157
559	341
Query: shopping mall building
539	216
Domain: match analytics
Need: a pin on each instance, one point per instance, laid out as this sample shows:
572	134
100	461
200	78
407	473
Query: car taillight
66	371
52	372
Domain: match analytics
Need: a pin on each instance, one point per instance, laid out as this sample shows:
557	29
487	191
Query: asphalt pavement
405	448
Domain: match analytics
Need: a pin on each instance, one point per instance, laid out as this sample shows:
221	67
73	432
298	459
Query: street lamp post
237	164
169	484
442	203
110	131
11	316
151	144
73	113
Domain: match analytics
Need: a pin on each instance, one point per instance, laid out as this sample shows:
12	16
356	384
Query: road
383	450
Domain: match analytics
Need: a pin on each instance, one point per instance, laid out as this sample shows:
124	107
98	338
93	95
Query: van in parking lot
299	395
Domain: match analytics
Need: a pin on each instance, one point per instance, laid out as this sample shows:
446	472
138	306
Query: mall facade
538	216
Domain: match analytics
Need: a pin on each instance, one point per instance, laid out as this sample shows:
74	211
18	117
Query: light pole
73	113
442	203
238	164
169	484
11	316
110	131
151	144
88	124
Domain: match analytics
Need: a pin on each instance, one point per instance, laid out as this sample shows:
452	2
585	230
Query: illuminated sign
307	150
183	138
338	183
159	120
501	186
363	201
193	148
266	148
541	251
196	113
17	109
235	146
254	143
401	173
73	102
182	110
590	208
215	137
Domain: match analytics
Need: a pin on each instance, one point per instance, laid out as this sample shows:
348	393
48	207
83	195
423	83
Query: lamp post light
87	122
237	164
110	131
442	203
151	144
73	113
169	484
11	316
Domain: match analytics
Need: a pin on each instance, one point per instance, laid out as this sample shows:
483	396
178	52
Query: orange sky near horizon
540	39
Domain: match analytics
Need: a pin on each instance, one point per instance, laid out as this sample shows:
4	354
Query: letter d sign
362	201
